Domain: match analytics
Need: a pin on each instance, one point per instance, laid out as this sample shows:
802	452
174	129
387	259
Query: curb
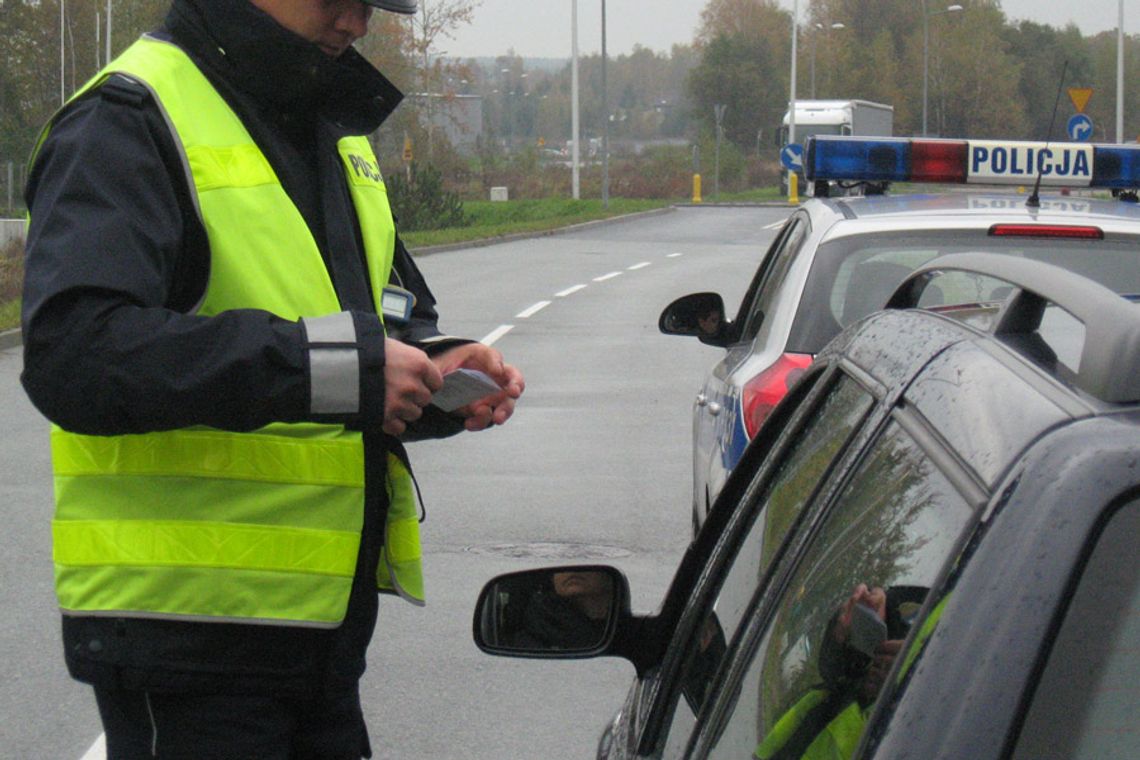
10	339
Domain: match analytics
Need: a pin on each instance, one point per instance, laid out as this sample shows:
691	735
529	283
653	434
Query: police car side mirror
560	612
697	314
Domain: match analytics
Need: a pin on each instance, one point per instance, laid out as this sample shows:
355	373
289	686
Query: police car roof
956	209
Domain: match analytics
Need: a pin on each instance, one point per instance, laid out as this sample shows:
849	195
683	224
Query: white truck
834	117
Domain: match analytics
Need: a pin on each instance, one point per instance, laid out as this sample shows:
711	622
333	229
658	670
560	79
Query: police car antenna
1034	200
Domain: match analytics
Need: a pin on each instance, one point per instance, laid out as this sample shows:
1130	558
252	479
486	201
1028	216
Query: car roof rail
1110	358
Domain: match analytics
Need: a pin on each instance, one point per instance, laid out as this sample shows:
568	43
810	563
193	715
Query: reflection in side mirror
699	314
552	612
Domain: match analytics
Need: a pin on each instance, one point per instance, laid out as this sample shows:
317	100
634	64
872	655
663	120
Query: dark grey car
932	554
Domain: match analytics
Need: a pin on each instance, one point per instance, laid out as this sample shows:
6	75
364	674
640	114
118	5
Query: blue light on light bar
1002	162
855	158
1116	166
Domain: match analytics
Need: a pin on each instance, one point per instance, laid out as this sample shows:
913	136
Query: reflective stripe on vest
208	524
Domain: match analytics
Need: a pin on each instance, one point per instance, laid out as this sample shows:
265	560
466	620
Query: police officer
208	250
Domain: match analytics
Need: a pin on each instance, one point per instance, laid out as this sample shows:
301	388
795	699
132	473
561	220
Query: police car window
1086	703
769	280
852	276
806	464
810	681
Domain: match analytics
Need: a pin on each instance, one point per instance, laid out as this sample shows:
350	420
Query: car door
765	501
800	681
715	410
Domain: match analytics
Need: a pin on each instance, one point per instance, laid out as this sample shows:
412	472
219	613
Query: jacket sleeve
116	261
422	330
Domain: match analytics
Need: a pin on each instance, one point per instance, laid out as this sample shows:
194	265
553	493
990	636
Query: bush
420	202
11	271
11	284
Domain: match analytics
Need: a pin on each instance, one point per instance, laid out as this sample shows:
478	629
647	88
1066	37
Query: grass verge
493	219
11	283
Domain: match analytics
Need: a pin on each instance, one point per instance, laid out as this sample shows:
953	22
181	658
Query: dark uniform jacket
117	261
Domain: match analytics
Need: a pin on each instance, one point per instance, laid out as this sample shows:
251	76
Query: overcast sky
541	28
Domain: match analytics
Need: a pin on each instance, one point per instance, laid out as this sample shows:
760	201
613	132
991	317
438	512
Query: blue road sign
792	156
1080	127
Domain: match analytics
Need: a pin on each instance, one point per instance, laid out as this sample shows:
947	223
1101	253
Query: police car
836	259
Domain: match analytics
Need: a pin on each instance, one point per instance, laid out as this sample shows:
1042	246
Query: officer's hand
877	670
410	378
496	408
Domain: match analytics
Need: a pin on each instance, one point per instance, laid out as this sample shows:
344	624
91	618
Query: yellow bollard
793	187
696	188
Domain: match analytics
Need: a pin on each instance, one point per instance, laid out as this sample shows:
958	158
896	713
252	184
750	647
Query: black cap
396	6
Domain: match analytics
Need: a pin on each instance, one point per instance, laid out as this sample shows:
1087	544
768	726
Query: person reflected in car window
569	613
709	321
857	650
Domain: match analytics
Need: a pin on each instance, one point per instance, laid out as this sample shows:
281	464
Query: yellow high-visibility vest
205	524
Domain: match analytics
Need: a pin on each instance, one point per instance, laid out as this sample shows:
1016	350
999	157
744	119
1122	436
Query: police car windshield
851	277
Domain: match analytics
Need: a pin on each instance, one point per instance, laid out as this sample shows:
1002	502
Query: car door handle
714	408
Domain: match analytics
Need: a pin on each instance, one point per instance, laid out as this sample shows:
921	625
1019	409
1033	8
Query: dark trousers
148	725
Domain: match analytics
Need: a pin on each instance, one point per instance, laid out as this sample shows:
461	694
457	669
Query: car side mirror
560	612
698	314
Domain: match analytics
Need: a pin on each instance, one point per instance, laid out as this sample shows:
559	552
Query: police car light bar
1060	164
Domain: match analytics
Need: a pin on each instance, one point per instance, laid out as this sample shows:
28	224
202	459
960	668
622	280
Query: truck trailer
834	117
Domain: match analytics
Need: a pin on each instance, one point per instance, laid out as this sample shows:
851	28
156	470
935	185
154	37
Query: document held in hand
461	387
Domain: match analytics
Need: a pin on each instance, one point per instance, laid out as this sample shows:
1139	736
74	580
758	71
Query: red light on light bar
938	160
1071	231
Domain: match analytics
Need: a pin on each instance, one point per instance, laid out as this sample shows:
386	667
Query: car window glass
770	280
809	682
1086	703
853	275
805	464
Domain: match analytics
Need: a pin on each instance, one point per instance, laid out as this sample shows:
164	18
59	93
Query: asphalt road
594	467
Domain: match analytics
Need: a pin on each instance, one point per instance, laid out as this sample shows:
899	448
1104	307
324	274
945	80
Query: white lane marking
495	334
635	267
568	291
532	309
609	276
673	255
774	225
98	750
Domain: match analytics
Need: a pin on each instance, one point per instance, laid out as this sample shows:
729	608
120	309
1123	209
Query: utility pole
1120	76
575	132
62	13
606	121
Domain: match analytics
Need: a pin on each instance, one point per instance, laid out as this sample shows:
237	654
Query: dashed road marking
534	309
495	334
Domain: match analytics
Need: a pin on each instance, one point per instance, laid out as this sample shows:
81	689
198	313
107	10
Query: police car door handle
714	408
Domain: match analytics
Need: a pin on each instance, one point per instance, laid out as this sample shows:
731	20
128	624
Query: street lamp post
1120	76
62	14
926	52
574	115
819	29
605	121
